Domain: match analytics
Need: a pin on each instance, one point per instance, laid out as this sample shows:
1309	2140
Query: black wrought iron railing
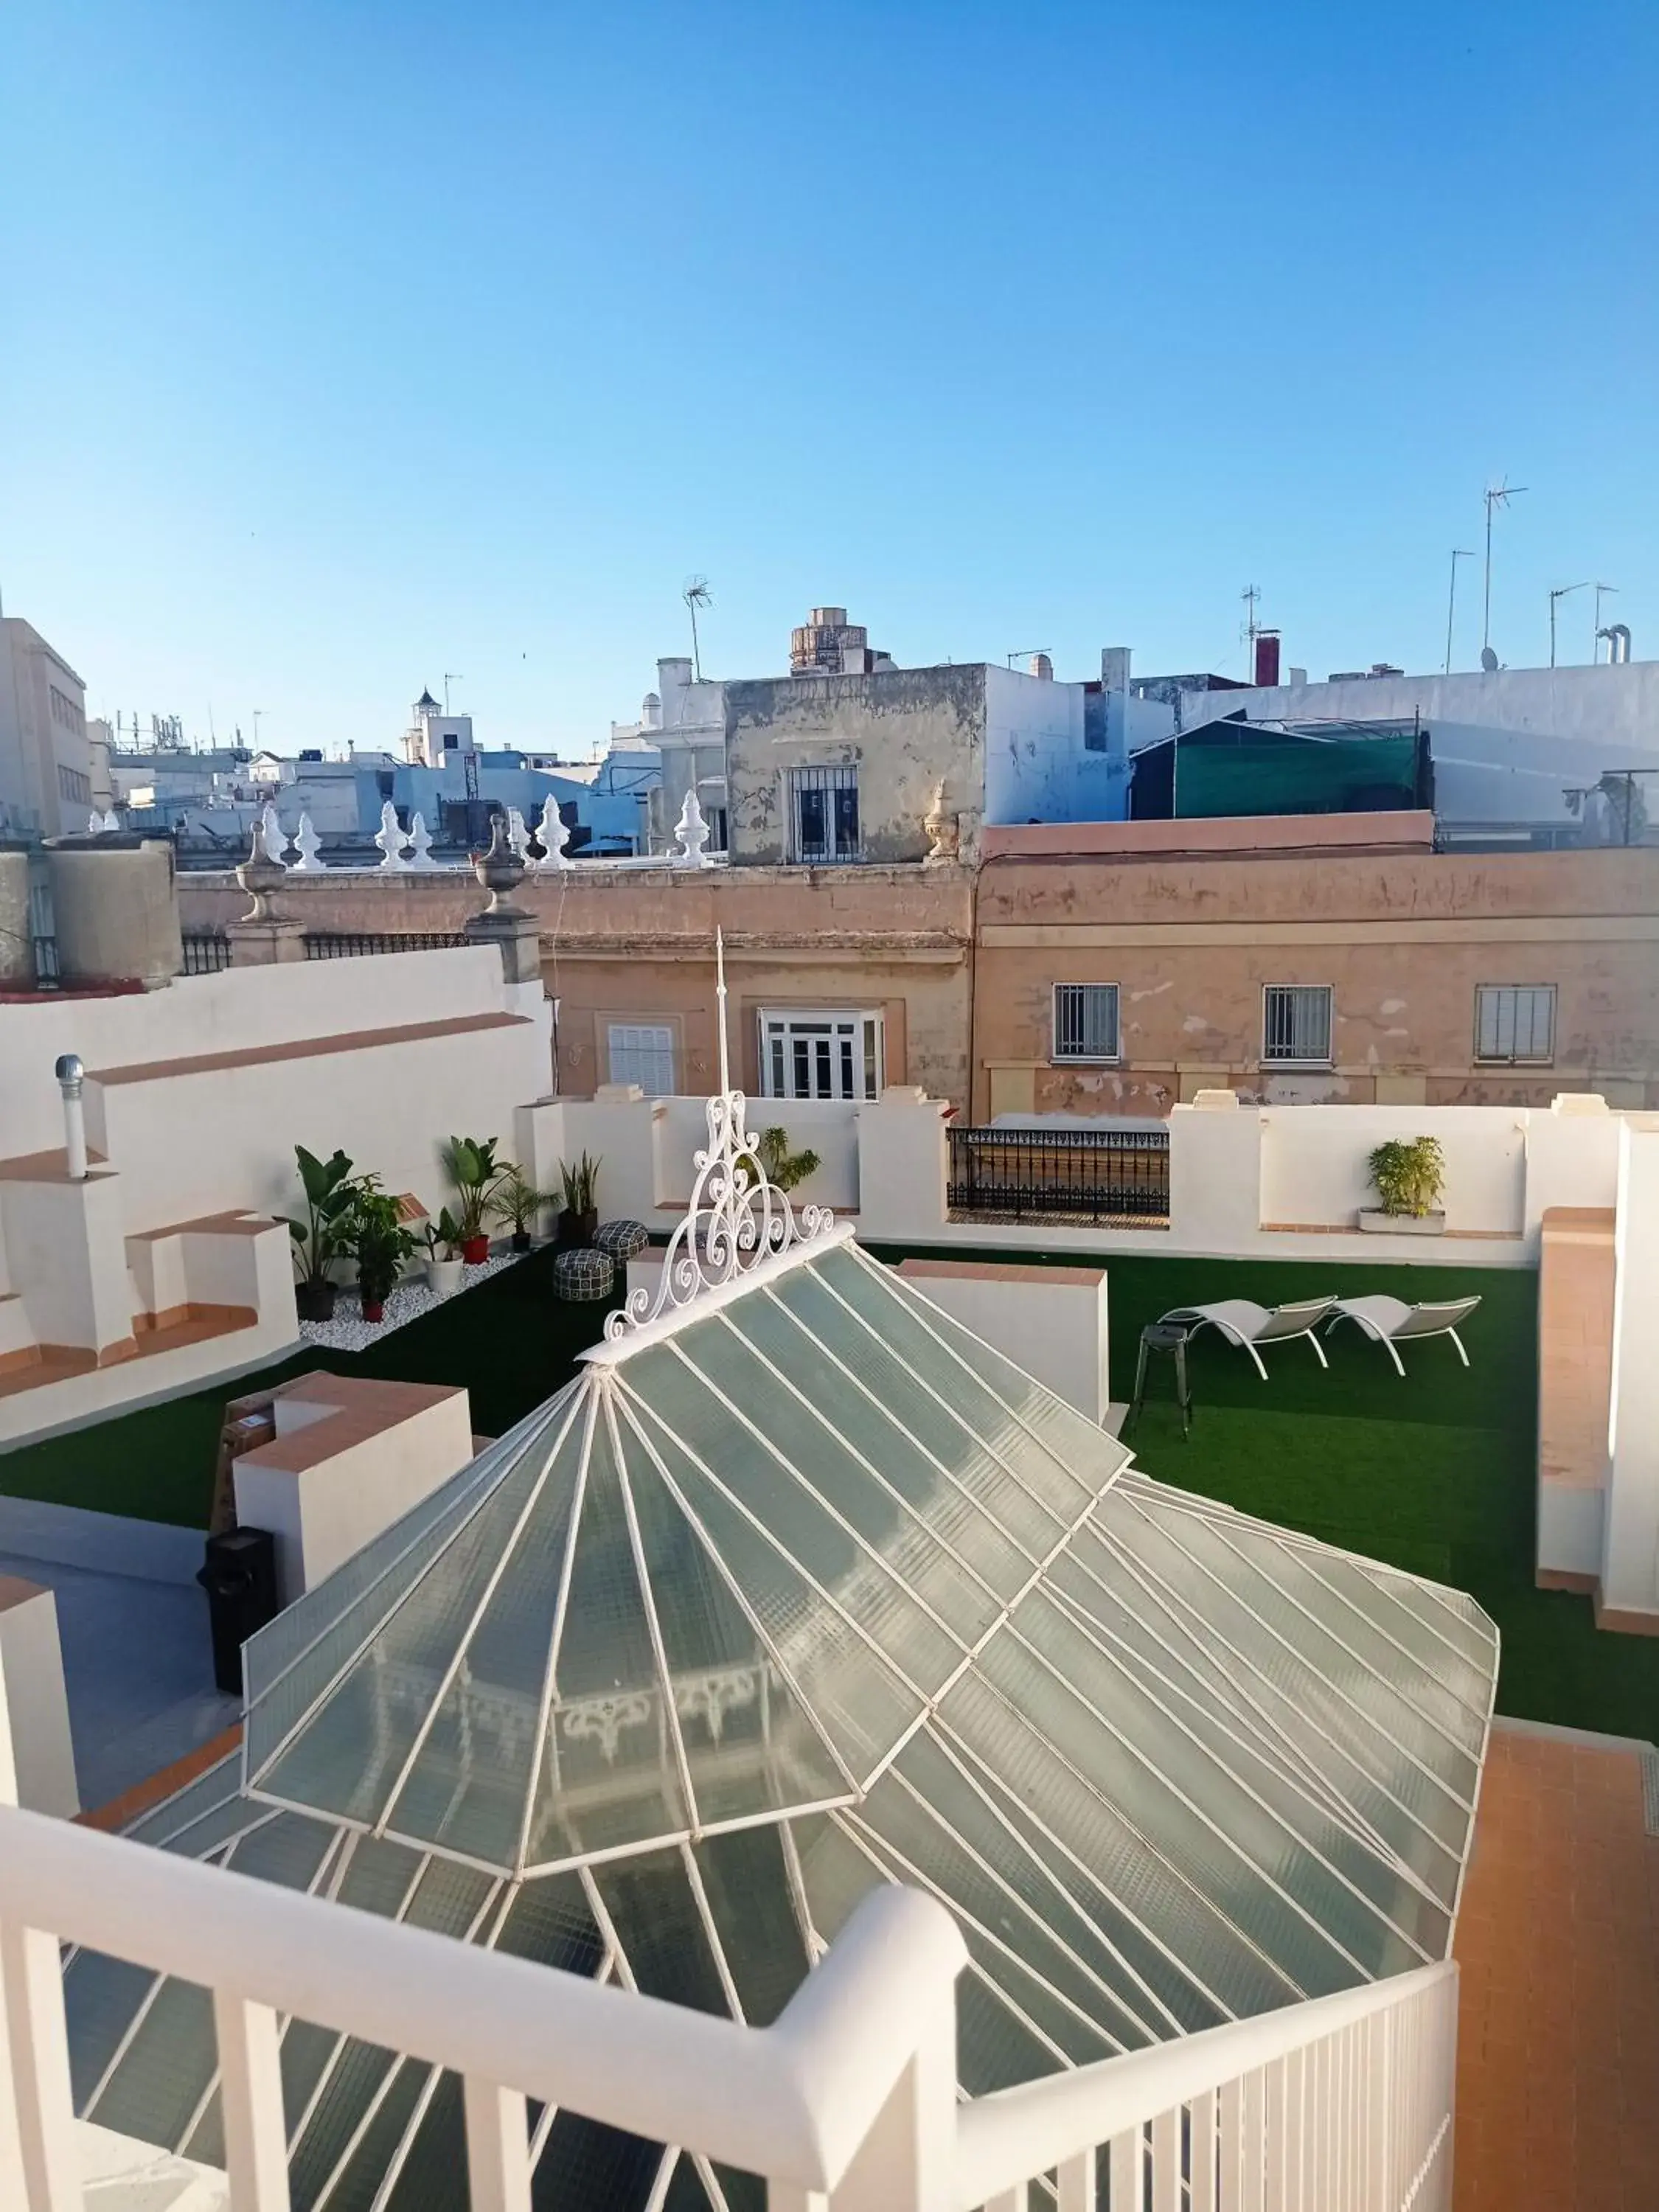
1091	1175
206	950
350	943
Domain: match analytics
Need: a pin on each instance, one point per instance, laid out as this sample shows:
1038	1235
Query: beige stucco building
1122	967
46	761
1101	968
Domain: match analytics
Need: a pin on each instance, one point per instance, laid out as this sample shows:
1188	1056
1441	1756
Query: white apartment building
46	761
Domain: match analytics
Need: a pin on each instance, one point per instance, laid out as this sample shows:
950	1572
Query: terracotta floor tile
1557	1938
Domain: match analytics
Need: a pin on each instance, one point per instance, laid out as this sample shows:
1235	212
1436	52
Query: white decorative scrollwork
736	1216
604	1719
708	1698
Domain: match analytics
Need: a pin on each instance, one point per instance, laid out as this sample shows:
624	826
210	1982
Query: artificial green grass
1436	1473
510	1341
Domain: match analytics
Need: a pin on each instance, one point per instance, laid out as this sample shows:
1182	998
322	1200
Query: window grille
1086	1021
1515	1022
642	1053
823	814
1295	1023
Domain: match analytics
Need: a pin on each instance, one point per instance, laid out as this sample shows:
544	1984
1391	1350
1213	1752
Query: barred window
1295	1023
1086	1021
1515	1022
823	814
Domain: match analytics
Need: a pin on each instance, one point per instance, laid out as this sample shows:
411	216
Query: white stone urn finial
308	844
691	832
420	843
551	835
389	838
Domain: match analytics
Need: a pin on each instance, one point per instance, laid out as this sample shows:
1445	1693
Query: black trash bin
240	1576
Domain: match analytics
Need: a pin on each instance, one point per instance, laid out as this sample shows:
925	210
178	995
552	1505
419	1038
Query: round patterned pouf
584	1274
622	1240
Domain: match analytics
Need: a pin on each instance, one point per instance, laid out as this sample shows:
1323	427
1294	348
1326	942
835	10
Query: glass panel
747	1887
101	1997
218	1787
610	1759
165	2069
349	1755
584	2164
1066	1460
905	1430
376	1608
868	1588
656	1915
854	1697
1103	1850
802	1441
749	1747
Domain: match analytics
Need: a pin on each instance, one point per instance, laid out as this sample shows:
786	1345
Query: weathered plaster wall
904	730
636	944
1040	765
1403	940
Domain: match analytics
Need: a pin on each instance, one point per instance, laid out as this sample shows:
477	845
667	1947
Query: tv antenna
1561	592
1498	495
257	713
1458	553
1595	642
696	593
1251	596
451	676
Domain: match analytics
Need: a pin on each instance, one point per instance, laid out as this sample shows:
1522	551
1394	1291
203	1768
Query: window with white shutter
642	1053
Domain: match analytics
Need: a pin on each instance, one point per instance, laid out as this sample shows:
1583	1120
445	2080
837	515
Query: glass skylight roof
803	1590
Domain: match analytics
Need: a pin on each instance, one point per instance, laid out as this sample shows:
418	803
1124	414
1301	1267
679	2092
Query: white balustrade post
1077	2183
37	2046
256	2128
497	2148
908	2160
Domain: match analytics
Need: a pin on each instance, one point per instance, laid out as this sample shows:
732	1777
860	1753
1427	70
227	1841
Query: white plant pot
443	1276
1378	1224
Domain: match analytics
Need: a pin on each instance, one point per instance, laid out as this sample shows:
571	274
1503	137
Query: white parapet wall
1629	1544
34	1700
1049	1320
349	1457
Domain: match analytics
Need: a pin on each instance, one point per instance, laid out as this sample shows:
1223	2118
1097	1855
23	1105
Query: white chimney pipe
70	1074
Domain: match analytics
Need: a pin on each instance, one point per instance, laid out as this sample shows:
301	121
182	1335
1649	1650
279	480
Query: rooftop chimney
1266	658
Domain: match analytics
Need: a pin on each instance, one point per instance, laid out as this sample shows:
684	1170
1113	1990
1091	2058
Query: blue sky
347	345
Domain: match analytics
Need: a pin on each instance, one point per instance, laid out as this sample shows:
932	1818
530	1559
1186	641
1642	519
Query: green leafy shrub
1409	1177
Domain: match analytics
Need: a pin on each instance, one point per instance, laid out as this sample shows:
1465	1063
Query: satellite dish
1489	660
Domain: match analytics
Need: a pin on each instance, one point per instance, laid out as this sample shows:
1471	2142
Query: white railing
1340	2105
1343	2104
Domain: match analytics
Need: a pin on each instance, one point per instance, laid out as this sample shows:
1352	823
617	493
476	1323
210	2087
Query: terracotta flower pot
475	1250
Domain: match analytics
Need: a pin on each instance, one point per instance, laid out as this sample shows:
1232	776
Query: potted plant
783	1168
442	1236
470	1163
516	1199
580	1220
326	1233
381	1244
1408	1178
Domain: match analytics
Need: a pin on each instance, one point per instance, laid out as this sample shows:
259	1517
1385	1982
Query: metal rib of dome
801	1590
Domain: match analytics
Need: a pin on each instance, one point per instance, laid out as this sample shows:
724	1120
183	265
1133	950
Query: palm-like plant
470	1165
516	1199
332	1196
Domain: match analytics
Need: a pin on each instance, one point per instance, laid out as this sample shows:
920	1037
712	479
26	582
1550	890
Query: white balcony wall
1315	1171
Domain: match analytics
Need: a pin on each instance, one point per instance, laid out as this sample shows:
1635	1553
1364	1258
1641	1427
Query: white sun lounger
1242	1322
1391	1321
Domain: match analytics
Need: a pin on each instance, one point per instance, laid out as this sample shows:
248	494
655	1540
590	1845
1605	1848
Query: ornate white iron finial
737	1217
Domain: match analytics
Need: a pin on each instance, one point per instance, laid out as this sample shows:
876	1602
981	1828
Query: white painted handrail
792	2102
1006	2138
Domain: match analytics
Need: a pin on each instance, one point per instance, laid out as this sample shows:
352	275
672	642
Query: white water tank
115	903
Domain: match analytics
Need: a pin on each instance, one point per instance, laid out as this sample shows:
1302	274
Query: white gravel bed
350	1332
